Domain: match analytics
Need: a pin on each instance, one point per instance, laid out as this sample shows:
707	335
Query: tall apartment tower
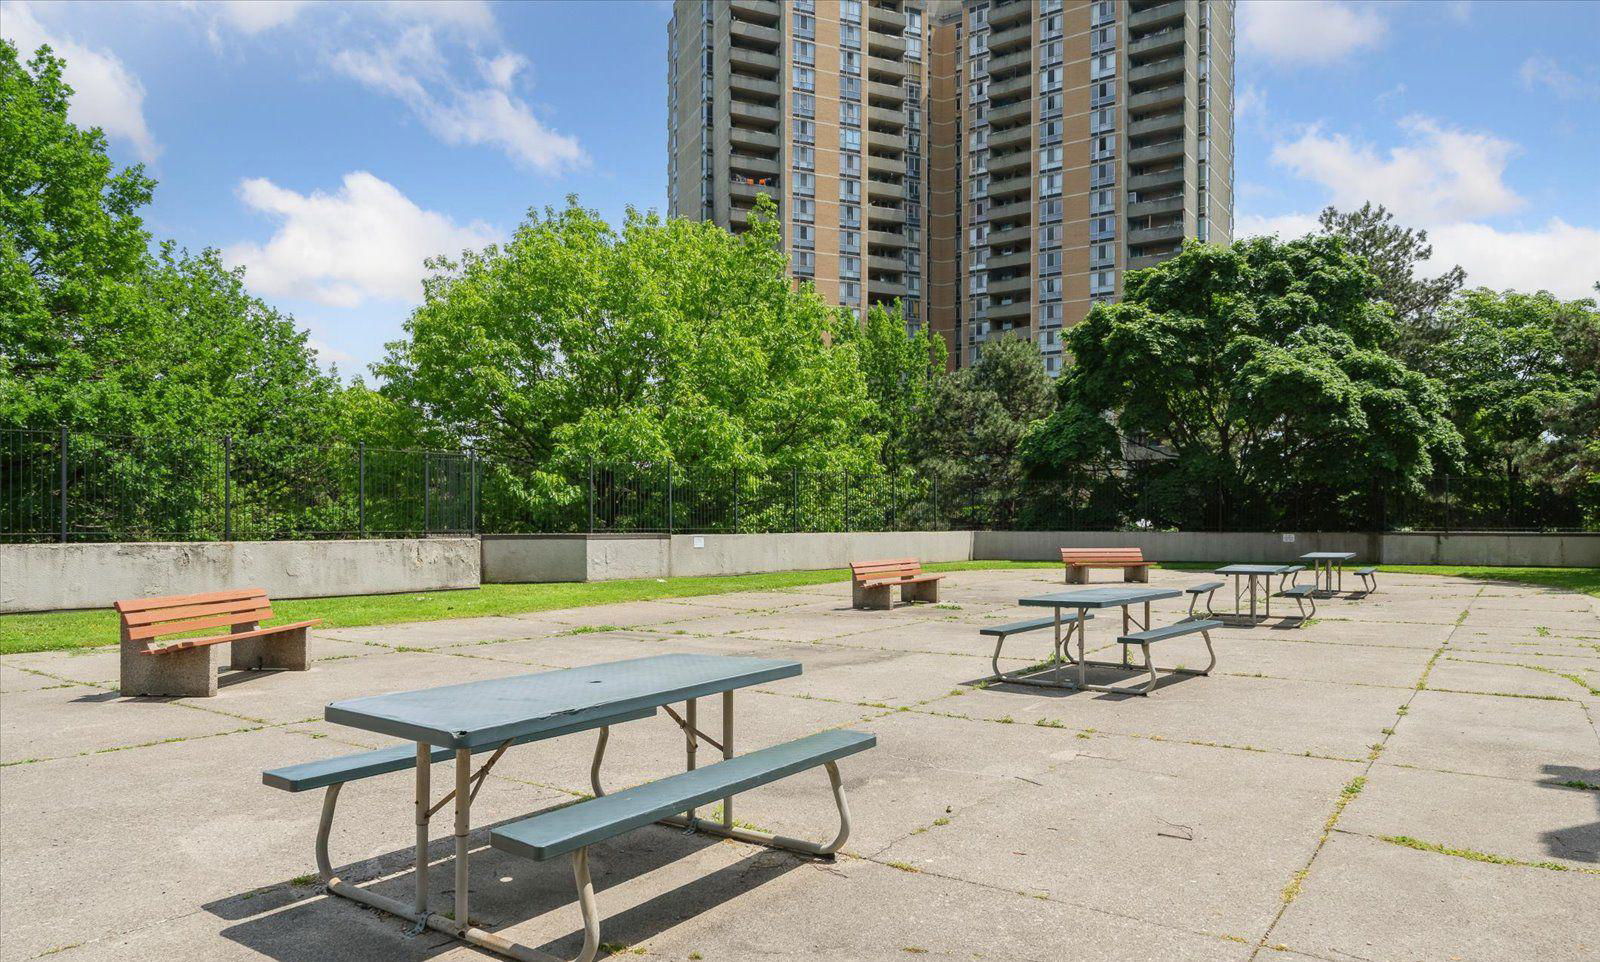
820	104
1086	138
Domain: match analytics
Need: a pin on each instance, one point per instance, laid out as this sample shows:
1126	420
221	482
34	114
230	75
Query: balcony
884	238
757	11
1002	164
888	95
753	61
1011	138
890	166
890	45
885	288
885	190
1010	313
755	36
1151	73
753	165
886	19
1010	65
1018	86
1153	18
1021	259
1006	13
1166	41
1169	122
754	114
1011	237
1157	179
1009	286
744	194
1155	153
879	264
885	71
1148	260
888	117
881	214
1009	39
1003	190
753	139
759	87
1010	212
1019	112
1165	233
894	140
1158	207
1160	98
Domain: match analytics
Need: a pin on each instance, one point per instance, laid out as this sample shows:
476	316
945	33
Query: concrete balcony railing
1019	136
1168	41
889	45
743	83
885	19
1011	38
883	238
753	61
1009	286
759	11
1159	206
1017	310
1019	112
755	35
1010	65
893	141
1018	86
1170	69
744	194
1011	236
892	166
885	70
1003	261
885	190
1158	179
1152	18
753	165
753	113
1165	233
1003	164
1006	13
885	288
882	214
1153	153
1162	97
888	95
890	117
754	139
886	265
1143	261
1006	189
1010	212
1170	122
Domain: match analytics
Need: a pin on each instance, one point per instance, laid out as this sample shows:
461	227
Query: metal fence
71	487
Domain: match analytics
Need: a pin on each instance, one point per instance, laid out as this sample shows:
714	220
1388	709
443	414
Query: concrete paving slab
50	723
629	614
1486	735
874	676
1334	628
1367	899
95	666
1299	656
775	599
1201	838
1543	821
568	651
449	631
1464	673
15	679
1567	622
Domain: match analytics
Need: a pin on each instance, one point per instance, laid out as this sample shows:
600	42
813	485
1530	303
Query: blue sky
330	148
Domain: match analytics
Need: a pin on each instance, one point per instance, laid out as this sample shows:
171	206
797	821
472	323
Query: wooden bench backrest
144	618
895	568
1102	556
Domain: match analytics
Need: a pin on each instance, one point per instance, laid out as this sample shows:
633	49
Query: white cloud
1314	32
1544	72
1250	105
253	16
1441	174
415	70
365	241
1286	226
106	94
1559	257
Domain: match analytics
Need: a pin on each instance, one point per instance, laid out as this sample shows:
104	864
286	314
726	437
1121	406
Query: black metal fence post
794	498
361	489
63	533
847	499
472	492
591	495
427	492
227	487
669	497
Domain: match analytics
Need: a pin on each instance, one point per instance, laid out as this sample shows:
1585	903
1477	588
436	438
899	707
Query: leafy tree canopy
1262	365
99	332
659	342
901	372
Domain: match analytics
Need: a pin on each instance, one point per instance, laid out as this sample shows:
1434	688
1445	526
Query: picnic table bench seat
1207	588
872	581
1369	578
187	667
1078	561
1302	594
1001	632
1144	639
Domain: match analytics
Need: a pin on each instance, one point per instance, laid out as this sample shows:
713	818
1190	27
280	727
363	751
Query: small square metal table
523	708
1252	572
1322	567
1083	599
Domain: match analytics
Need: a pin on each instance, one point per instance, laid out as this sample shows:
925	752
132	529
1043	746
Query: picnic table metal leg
1083	658
424	791
463	826
691	743
599	756
727	751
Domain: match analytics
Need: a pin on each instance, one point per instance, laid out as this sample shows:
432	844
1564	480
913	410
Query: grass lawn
89	629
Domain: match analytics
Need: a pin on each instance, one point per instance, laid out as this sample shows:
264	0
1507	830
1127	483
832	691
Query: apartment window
1102	255
1050	210
1103	282
979	186
1102	202
850	267
1103	38
1050	79
1102	120
850	113
980	210
805	209
978	283
1102	228
850	88
978	235
1050	184
850	36
1049	287
805	52
850	11
850	164
850	139
803	262
1050	315
850	61
1050	236
1102	93
1050	261
1050	158
1103	11
850	241
805	105
805	131
1102	175
977	43
979	17
1050	53
806	6
978	139
805	25
977	67
804	182
804	156
1049	6
913	45
980	161
805	78
1102	66
1105	146
804	235
1050	131
850	293
849	215
978	90
979	113
1050	26
850	189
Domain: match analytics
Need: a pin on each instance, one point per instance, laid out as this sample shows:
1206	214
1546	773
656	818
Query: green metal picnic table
1252	572
1083	600
1323	564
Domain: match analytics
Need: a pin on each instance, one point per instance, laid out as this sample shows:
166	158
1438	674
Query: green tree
1393	253
1522	373
1262	366
973	426
668	343
901	369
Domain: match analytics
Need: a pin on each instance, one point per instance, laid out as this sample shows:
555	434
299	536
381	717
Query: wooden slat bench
1145	638
1079	560
188	667
870	582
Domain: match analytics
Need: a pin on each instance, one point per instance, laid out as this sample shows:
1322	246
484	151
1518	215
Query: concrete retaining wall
535	558
1505	550
47	577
